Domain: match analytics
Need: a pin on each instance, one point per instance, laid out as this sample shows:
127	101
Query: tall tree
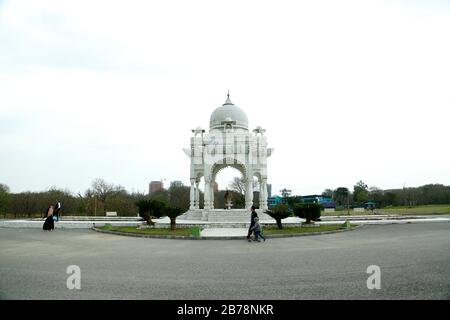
238	185
376	195
360	192
285	193
238	188
161	195
341	195
179	197
327	193
104	190
4	198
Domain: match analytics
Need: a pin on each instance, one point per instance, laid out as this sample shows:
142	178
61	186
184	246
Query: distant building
155	186
325	201
269	190
176	183
273	201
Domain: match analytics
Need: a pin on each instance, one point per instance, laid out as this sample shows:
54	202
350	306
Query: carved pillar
207	200
263	195
192	195
249	192
197	195
212	194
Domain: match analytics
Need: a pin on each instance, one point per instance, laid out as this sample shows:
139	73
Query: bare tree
103	190
239	186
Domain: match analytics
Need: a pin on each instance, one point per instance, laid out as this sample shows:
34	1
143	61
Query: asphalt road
414	260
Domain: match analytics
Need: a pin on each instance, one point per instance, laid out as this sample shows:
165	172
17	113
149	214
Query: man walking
252	223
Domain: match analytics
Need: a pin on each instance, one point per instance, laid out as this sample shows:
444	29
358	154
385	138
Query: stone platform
222	215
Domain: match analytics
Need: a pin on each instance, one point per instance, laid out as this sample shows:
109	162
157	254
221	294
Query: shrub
195	231
279	212
149	209
308	211
172	213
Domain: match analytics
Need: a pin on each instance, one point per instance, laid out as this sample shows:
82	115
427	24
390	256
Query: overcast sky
347	90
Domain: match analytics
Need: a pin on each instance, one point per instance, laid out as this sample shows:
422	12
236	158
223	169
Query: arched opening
229	178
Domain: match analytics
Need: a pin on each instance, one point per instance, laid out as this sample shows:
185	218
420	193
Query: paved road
414	261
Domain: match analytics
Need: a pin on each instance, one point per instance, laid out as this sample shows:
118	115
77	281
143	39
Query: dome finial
228	98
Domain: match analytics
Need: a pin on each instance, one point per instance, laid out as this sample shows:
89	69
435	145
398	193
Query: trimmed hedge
308	211
279	212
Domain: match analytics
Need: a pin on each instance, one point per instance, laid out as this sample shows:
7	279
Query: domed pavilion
229	143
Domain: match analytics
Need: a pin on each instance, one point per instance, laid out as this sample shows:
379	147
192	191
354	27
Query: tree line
103	196
100	198
411	196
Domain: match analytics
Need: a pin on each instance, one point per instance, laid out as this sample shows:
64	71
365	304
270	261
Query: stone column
207	201
197	195
212	195
192	195
249	193
263	195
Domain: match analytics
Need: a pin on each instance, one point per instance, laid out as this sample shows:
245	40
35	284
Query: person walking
56	212
49	224
252	223
257	229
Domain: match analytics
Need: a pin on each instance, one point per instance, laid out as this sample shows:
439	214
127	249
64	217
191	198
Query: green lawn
292	230
269	230
401	210
427	209
153	231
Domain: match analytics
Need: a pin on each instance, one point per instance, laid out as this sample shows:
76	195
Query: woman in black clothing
252	223
49	224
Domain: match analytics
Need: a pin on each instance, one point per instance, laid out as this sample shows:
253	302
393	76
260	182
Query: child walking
257	228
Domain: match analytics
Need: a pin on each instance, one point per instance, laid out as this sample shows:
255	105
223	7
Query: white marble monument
229	143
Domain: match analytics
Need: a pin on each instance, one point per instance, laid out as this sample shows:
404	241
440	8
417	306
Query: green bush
308	211
149	209
172	213
279	212
195	231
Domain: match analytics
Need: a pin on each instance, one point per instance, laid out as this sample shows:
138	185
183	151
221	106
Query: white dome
228	112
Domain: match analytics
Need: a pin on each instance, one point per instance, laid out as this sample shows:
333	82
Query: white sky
347	90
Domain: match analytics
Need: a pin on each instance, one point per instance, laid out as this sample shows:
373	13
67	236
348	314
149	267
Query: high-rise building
176	183
269	190
155	186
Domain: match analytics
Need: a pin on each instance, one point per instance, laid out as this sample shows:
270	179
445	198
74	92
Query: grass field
294	230
153	231
428	209
401	210
186	231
